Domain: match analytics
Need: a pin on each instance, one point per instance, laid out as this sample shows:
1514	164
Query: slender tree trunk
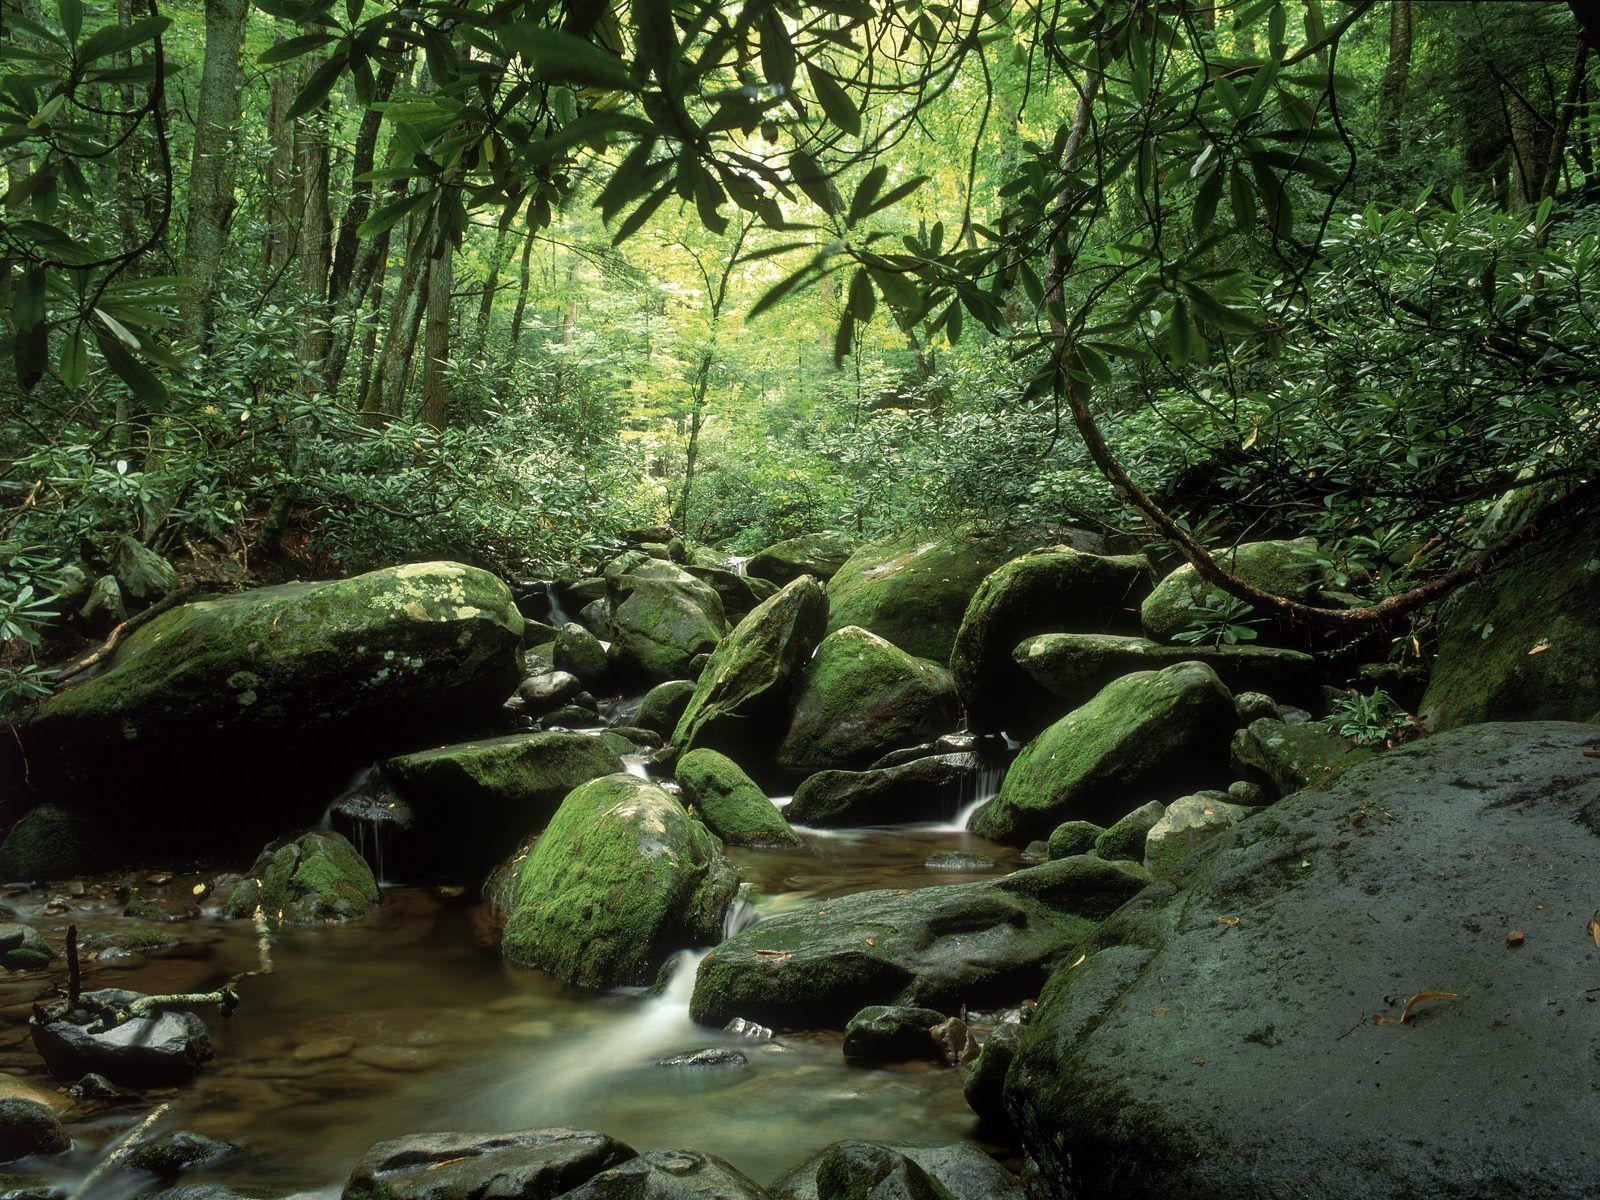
1529	142
436	341
341	274
480	332
314	242
523	281
1570	104
369	340
1392	92
211	171
386	390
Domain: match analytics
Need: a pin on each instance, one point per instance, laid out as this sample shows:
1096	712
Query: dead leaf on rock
1594	927
1229	920
1159	1012
1515	938
1199	1062
1540	648
1425	998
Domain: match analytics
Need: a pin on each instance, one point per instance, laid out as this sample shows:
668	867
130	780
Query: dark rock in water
819	554
986	1078
28	1127
569	717
579	653
671	1175
925	789
536	1164
861	1169
1287	757
53	842
1072	837
663	705
1125	838
892	1033
955	860
1191	1057
713	1056
621	879
282	691
986	747
963	1171
97	1089
955	1041
23	948
649	739
730	804
176	1152
314	879
164	1048
200	1191
936	947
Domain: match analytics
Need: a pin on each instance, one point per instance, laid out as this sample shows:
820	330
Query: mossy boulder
1072	667
1045	591
1073	837
314	879
860	697
977	943
661	617
663	705
738	593
740	692
621	878
1284	568
893	1033
958	1170
28	1128
729	802
1153	1070
474	802
282	692
925	789
52	842
1522	641
818	554
671	1175
1189	823
914	590
1285	758
1152	733
579	653
1125	838
532	1164
142	575
24	948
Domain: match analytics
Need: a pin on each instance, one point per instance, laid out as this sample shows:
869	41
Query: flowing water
407	1022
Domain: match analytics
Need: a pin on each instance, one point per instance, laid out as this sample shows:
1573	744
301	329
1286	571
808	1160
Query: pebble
394	1058
325	1049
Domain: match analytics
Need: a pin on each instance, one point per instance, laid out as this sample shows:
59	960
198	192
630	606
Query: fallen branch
103	651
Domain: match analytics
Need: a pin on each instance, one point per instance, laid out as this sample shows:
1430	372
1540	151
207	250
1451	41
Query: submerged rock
860	697
535	1164
622	878
818	554
1152	732
712	1056
1286	758
173	1153
670	1175
1284	568
164	1048
960	1170
925	789
28	1128
938	947
730	803
316	878
1153	1069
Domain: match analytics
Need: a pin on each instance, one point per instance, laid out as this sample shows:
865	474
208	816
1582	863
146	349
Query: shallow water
407	1023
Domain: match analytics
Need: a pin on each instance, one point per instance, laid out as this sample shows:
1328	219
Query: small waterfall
633	764
368	815
558	612
738	562
740	916
983	787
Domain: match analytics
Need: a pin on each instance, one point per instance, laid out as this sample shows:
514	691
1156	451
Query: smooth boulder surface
738	593
535	1164
663	705
740	692
314	879
621	878
661	618
142	575
28	1128
1285	758
222	689
1522	641
937	947
473	802
1055	589
1149	735
1072	667
579	653
730	803
818	554
914	590
1255	1056
670	1175
1284	568
925	789
960	1168
1188	823
53	842
860	697
164	1048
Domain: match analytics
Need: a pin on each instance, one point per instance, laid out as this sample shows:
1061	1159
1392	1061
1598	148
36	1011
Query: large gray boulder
819	554
1463	865
662	617
534	1164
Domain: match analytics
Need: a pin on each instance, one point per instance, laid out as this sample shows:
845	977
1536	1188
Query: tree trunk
341	275
386	390
211	172
436	341
480	332
1392	91
279	189
314	242
522	300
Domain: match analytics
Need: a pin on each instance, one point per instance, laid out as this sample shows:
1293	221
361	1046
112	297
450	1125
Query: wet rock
569	717
860	697
173	1153
950	743
314	879
536	1164
1522	641
729	803
963	1171
663	705
926	789
24	948
955	1041
1126	837
1287	757
1152	1069
986	1078
1072	837
714	1056
549	690
304	683
142	575
671	1175
892	1033
622	878
661	617
1045	591
739	1027
939	947
579	653
1153	732
737	703
596	618
1252	706
166	1047
1189	823
955	860
476	801
818	554
28	1128
97	1089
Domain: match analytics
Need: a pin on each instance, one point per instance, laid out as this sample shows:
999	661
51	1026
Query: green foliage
1218	620
1371	720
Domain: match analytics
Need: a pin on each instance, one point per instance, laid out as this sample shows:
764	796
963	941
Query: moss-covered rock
28	1128
938	947
1125	838
663	705
1073	837
1522	642
740	692
103	606
924	789
960	1170
622	877
729	802
142	575
283	692
1045	591
915	590
661	617
1284	568
24	948
314	879
1285	758
738	593
52	842
819	554
1072	667
671	1175
475	802
579	653
860	697
1189	823
1150	733
892	1033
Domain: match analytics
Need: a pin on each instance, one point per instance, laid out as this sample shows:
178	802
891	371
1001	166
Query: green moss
1073	837
819	554
1280	567
1286	758
1125	838
316	878
663	705
52	842
730	804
